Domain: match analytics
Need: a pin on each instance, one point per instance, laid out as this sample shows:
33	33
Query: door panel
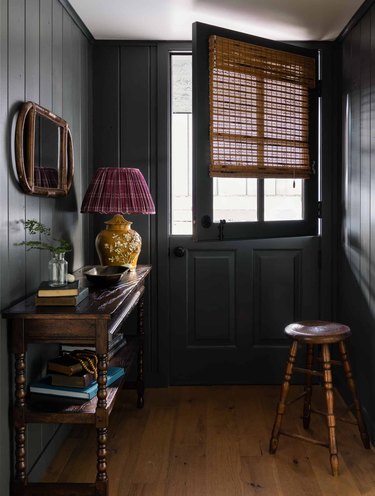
211	298
230	302
277	286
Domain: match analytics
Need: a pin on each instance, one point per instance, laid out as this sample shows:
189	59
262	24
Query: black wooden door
230	301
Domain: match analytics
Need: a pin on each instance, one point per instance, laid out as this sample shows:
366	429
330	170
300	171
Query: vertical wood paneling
38	62
135	124
17	201
32	93
5	456
72	107
87	248
372	159
32	63
346	148
86	168
16	93
47	207
135	107
355	155
46	53
106	111
365	89
57	52
46	68
330	64
105	115
357	270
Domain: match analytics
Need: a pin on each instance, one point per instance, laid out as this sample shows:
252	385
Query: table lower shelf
47	409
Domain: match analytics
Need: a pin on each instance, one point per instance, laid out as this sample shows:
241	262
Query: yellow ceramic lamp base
118	244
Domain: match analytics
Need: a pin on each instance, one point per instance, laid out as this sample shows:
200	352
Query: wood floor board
223	444
187	472
191	421
294	469
259	476
154	444
213	441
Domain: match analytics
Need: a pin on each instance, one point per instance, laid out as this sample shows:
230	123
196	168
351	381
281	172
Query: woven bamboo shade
259	110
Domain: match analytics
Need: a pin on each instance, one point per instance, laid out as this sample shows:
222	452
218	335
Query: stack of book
67	378
69	295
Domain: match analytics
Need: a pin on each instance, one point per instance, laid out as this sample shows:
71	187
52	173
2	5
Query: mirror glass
44	152
47	152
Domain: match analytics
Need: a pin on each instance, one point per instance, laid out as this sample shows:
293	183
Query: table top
102	302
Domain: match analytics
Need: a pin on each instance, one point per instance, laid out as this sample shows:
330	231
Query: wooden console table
89	323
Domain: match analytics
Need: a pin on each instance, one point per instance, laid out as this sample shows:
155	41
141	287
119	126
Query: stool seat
317	334
317	331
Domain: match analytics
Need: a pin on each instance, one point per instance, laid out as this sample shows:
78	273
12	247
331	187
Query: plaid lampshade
115	190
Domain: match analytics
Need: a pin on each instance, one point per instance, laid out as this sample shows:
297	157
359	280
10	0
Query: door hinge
320	209
319	88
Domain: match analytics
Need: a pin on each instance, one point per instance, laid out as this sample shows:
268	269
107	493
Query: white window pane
231	186
181	145
235	200
283	199
181	155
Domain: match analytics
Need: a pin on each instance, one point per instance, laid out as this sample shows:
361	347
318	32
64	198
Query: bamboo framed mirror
44	152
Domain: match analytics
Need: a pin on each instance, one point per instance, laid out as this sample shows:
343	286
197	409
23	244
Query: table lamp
117	190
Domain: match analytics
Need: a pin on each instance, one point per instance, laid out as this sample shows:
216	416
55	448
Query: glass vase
57	269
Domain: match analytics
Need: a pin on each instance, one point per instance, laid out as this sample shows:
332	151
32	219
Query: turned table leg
102	420
19	421
140	370
101	436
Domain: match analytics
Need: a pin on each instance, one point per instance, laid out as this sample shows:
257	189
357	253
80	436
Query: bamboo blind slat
259	110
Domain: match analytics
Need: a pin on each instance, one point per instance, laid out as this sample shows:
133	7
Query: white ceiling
172	19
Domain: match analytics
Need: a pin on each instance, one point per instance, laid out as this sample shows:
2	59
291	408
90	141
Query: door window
250	207
258	207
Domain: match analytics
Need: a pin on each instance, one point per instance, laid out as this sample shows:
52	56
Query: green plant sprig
35	227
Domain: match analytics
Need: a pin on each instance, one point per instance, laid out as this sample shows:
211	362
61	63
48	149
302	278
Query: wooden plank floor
213	441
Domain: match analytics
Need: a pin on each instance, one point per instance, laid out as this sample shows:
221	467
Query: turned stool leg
283	394
331	422
351	384
308	387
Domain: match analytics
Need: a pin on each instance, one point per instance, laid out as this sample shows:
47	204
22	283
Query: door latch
221	229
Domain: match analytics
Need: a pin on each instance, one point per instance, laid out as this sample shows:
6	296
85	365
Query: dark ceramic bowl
105	275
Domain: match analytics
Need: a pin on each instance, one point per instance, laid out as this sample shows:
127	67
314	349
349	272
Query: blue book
44	386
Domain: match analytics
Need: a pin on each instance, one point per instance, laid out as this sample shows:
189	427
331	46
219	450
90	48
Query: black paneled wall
124	122
44	57
124	135
357	261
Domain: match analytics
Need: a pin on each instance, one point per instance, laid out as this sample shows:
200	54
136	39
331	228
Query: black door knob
179	251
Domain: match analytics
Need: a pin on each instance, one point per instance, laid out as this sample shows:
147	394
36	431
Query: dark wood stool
310	333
